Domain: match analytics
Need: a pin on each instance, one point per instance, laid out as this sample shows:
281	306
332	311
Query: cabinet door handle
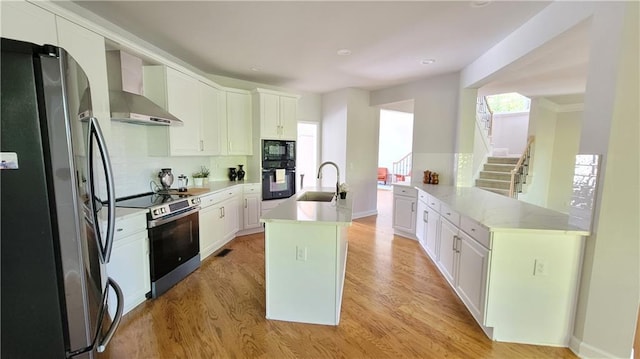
456	239
412	207
221	215
201	145
453	244
425	217
245	203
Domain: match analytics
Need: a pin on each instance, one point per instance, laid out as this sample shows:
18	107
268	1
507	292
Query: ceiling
294	44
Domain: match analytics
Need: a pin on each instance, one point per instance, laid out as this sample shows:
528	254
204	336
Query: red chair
383	174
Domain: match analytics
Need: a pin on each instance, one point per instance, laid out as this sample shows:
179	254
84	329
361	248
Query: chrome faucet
337	174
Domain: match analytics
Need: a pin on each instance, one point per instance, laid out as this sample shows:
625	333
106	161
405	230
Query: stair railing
521	170
484	115
402	167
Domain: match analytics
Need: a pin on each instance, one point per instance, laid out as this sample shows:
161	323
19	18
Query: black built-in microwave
278	154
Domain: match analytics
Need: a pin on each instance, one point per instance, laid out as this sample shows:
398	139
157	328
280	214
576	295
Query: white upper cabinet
190	101
214	120
27	22
277	114
239	131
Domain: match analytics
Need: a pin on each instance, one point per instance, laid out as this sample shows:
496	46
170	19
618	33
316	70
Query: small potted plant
201	176
342	190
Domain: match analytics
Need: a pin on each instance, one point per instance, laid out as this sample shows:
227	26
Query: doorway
395	147
307	156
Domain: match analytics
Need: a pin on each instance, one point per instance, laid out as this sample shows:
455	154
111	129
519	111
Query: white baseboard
364	214
245	232
586	351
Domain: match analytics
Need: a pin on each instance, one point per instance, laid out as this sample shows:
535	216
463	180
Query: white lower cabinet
448	259
427	226
432	233
251	209
218	219
404	211
473	263
129	264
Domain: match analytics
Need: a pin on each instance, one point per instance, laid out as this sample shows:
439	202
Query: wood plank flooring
395	305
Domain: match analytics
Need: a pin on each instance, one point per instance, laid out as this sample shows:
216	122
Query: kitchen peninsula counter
514	265
305	259
501	213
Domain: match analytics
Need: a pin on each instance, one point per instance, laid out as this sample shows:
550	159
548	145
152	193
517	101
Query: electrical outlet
301	253
540	267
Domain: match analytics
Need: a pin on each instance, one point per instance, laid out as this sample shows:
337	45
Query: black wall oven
278	183
278	169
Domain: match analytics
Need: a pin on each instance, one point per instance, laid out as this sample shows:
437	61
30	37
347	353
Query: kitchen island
305	258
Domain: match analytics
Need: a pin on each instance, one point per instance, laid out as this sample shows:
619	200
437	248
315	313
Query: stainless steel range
174	241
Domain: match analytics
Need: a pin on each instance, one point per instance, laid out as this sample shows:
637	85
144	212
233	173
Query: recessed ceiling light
479	3
427	61
255	69
344	52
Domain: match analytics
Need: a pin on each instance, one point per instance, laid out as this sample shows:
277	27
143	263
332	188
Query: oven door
272	189
173	240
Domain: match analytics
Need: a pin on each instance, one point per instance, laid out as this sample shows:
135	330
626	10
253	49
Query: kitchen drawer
126	226
216	197
433	203
423	196
405	191
477	231
250	188
451	215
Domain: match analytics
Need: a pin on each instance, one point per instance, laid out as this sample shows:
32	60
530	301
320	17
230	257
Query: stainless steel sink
312	196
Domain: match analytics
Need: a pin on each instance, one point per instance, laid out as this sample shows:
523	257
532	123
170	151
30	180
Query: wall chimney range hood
125	93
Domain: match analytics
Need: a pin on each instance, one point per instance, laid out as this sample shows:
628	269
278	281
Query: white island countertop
500	213
293	211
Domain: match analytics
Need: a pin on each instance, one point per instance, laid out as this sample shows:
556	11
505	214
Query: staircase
496	174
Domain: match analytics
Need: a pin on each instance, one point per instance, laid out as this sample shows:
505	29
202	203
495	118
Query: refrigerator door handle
102	345
107	244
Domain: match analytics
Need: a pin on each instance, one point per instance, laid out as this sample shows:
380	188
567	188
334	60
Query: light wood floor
395	305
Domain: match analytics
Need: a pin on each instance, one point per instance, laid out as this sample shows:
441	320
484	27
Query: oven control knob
163	210
155	212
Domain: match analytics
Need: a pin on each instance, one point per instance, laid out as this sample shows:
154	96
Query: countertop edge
498	228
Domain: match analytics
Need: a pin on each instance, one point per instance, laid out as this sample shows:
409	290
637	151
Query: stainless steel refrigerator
55	187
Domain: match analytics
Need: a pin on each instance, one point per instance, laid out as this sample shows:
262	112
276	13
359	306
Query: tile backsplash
134	170
585	187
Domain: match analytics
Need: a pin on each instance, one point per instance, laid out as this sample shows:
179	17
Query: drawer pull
119	230
473	229
448	213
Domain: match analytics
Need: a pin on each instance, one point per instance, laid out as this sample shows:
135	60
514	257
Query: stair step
501	176
496	190
488	183
498	167
503	160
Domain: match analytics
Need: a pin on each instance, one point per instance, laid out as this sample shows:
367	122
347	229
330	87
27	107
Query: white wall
434	121
542	125
565	149
610	287
350	139
362	150
334	135
509	131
